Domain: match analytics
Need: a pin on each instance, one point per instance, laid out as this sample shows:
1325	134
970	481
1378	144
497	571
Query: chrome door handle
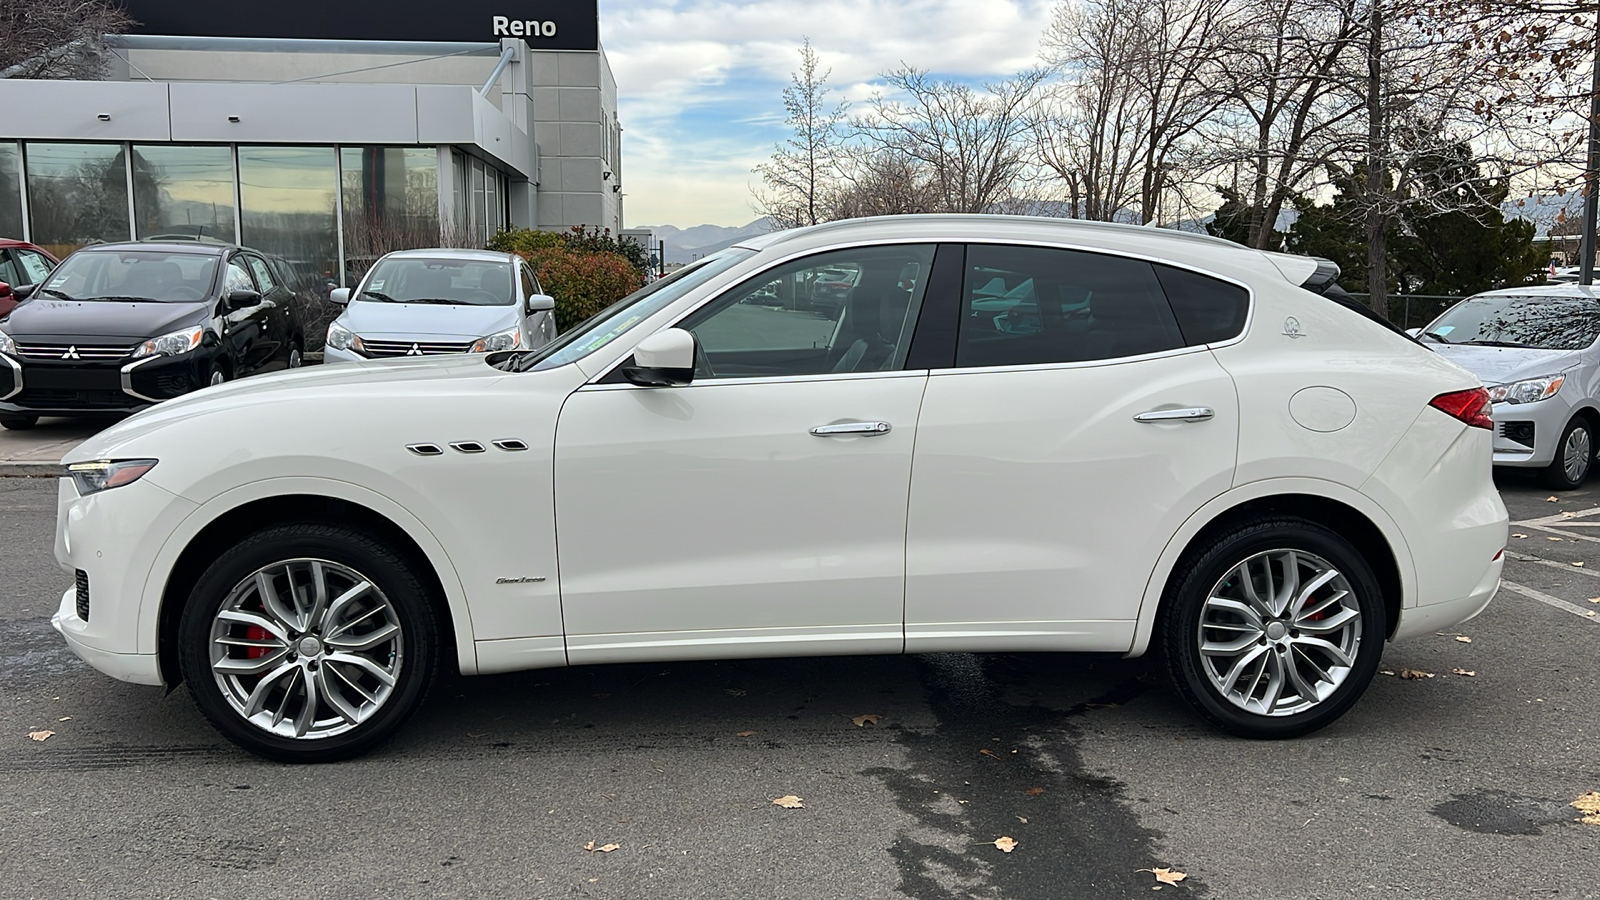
1191	414
845	428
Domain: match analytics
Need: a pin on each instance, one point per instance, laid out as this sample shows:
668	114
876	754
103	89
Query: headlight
510	339
171	344
1529	390
342	338
94	477
6	344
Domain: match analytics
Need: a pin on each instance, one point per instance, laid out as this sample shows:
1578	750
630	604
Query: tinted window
238	278
1547	323
1208	310
1028	305
529	286
842	311
9	270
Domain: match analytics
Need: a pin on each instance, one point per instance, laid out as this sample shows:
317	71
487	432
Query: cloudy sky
701	81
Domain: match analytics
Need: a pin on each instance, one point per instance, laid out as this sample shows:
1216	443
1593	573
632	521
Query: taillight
1472	407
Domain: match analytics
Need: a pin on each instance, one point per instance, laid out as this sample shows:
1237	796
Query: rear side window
1208	309
1031	305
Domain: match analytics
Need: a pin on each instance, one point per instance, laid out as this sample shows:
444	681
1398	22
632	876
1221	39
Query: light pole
1591	178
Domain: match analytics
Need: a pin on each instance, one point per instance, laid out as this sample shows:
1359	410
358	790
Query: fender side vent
83	595
466	446
425	449
510	444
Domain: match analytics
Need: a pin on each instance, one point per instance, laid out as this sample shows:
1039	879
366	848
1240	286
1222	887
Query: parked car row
1011	435
119	327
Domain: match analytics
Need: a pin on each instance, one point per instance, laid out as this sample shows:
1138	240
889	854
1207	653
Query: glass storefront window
77	194
391	202
183	191
480	228
286	206
10	191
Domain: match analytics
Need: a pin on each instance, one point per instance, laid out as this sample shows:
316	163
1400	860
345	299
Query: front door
1081	424
761	510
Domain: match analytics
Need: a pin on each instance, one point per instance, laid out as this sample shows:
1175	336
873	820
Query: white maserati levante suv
1008	434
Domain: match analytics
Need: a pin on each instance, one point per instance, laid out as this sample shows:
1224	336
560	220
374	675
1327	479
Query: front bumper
44	388
1513	423
138	668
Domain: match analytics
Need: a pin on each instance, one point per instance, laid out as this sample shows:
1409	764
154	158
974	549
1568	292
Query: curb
12	468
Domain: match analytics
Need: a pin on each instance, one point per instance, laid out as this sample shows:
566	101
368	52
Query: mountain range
688	244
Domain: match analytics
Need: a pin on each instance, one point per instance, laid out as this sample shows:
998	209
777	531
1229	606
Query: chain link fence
1414	310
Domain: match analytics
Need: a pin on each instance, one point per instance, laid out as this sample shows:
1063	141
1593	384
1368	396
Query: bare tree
57	38
973	145
883	183
804	168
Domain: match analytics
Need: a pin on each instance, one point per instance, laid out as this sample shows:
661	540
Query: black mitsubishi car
117	327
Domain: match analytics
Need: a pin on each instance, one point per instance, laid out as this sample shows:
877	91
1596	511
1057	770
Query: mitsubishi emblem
72	353
414	351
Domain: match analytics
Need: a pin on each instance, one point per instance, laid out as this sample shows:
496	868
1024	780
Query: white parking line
1560	522
1557	602
1541	561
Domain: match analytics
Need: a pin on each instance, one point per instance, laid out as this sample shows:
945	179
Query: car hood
1503	365
404	320
48	318
389	375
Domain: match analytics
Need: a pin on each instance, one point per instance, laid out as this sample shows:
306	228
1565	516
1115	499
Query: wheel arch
227	519
1348	513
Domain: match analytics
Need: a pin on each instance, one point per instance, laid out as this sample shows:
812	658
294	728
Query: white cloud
700	81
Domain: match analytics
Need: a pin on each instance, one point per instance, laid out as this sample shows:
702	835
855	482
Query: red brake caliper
256	633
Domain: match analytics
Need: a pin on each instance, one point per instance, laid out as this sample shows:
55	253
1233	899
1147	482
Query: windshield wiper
1492	343
135	299
1436	336
379	296
55	293
431	300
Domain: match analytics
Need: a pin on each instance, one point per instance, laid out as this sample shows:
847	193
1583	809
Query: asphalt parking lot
1447	786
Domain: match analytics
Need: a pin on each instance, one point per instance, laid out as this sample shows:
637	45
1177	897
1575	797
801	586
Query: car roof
451	253
205	249
1553	291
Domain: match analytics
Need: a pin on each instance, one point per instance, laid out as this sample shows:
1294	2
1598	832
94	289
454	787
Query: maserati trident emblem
414	351
1291	328
72	353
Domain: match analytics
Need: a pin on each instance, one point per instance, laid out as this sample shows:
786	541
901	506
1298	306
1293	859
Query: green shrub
582	282
525	240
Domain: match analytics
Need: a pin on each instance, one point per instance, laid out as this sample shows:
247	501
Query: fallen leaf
1034	791
1005	844
1578	564
1467	672
603	848
1567	515
1386	672
789	801
1519	535
989	753
868	719
40	735
1552	499
1414	674
1022	819
64	719
743	733
1463	639
1594	599
1166	876
1589	805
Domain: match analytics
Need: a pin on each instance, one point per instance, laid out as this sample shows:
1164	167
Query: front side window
1544	323
35	266
238	278
1034	305
457	282
263	275
836	312
133	275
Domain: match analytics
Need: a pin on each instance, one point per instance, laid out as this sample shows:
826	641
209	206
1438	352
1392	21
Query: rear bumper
1424	619
138	668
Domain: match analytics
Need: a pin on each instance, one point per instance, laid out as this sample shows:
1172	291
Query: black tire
1556	475
18	423
1201	573
414	653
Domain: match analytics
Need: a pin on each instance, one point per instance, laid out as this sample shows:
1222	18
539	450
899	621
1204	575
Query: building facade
314	146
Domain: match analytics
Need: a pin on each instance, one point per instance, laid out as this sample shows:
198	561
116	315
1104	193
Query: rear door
273	349
1076	429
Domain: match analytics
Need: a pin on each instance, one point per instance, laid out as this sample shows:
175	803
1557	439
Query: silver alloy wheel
295	359
217	377
306	648
1576	454
1279	633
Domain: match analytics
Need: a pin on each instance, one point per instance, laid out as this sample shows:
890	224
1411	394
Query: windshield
458	282
608	324
1543	323
149	275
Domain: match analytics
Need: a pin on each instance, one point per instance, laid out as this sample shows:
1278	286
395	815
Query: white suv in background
432	302
1010	435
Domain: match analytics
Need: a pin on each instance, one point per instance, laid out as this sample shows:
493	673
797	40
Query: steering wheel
185	292
702	362
488	298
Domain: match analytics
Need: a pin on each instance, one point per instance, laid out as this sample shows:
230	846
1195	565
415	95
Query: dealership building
324	133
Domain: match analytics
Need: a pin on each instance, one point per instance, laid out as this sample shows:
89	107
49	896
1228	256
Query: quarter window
1208	309
843	311
1033	305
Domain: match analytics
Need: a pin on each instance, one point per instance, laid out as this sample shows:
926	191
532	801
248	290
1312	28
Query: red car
23	266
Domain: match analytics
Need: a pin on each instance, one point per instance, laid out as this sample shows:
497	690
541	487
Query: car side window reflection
238	278
844	311
1032	305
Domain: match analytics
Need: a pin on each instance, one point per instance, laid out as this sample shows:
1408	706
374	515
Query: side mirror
340	296
540	303
664	359
25	291
243	299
